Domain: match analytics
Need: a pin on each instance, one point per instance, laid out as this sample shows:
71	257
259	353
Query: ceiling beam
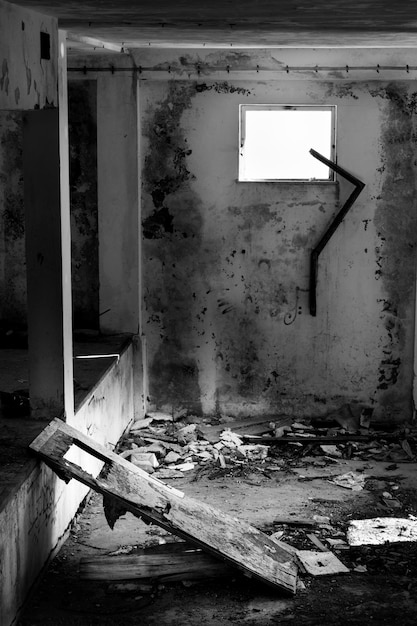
94	43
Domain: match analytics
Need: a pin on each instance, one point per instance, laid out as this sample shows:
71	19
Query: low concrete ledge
37	509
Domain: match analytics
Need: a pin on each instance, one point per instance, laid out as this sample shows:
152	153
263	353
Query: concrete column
65	227
48	245
118	202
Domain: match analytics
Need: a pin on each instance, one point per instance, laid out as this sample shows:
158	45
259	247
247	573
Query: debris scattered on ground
382	530
226	448
232	446
351	480
191	444
139	424
160	416
332	451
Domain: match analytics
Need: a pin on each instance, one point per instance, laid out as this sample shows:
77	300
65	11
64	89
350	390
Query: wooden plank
294	521
250	426
132	489
321	563
178	561
272	441
314	539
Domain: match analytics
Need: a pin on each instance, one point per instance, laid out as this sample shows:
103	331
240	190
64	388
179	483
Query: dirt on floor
284	491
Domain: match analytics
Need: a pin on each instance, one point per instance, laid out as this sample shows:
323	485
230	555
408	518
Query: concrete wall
33	522
84	212
225	264
26	80
118	202
12	221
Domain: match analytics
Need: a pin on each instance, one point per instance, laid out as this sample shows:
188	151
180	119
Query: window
275	141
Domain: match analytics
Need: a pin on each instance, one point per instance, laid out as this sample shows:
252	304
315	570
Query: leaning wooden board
131	489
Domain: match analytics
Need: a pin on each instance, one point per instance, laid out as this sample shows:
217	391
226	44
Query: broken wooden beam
132	489
319	439
250	426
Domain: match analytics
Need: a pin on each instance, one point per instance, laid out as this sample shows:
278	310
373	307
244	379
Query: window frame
243	108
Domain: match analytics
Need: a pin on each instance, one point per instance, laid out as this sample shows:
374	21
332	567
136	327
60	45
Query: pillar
48	254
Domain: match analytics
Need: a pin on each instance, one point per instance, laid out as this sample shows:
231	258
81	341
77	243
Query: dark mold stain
396	94
241	369
13	286
4	79
216	61
165	168
230	59
223	87
342	90
254	216
172	226
11	178
388	372
174	377
396	224
17	95
28	79
156	225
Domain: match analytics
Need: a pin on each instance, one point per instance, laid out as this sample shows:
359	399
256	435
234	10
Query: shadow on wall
82	117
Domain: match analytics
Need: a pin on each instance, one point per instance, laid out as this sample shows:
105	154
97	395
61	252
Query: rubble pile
158	444
171	447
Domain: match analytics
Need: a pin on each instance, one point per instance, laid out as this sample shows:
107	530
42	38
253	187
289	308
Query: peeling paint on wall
26	80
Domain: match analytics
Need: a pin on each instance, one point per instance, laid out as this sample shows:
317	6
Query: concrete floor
383	593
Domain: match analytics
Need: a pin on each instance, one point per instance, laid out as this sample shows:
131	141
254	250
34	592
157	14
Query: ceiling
238	23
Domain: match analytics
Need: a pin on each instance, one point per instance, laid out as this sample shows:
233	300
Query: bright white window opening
275	142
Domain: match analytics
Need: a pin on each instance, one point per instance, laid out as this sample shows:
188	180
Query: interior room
207	250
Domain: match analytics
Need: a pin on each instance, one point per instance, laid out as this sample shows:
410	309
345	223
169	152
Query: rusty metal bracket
315	253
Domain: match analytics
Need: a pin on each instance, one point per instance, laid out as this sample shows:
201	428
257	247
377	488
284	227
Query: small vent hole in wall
45	46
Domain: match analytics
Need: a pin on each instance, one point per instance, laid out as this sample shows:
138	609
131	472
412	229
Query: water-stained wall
226	264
